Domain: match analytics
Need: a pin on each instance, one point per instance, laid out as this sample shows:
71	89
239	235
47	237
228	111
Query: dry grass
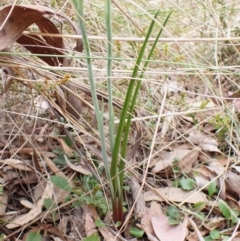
183	96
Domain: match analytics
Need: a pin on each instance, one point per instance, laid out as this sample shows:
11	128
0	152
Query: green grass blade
117	173
141	76
78	4
127	128
108	20
118	139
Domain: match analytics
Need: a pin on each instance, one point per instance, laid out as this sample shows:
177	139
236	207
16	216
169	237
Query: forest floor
181	177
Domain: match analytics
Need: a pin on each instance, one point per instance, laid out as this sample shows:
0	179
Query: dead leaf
15	163
154	210
103	230
166	124
34	212
20	18
176	195
168	160
79	168
166	232
200	237
182	158
90	226
61	98
204	142
186	163
232	182
17	19
139	208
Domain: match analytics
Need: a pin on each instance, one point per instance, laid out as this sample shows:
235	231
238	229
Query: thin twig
137	39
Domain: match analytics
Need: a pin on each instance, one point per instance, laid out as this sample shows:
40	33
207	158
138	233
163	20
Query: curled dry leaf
18	18
15	19
167	160
61	98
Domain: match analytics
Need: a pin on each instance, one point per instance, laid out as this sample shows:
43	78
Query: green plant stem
131	109
78	4
117	172
109	70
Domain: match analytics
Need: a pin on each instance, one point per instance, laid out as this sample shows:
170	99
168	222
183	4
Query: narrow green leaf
61	183
79	6
34	236
136	232
135	92
108	20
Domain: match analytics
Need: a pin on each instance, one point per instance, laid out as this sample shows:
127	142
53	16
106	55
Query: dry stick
235	231
200	237
136	39
128	17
